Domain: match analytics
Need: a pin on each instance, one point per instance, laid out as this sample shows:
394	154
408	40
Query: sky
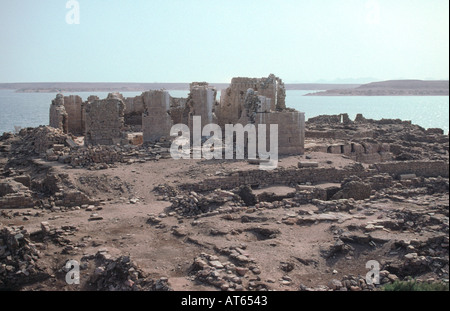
215	40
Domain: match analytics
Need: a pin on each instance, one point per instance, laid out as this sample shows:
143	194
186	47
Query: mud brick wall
156	121
420	168
74	107
104	121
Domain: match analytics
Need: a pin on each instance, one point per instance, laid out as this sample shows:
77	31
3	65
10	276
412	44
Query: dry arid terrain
133	218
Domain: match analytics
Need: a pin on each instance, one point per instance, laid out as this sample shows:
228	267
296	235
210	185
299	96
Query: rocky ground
130	218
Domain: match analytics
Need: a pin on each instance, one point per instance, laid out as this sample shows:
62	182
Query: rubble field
133	218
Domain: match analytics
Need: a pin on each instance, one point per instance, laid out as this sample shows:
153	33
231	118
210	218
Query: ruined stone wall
320	134
178	110
233	98
265	104
279	177
95	155
281	95
14	195
58	114
331	119
291	130
74	107
156	121
134	108
322	175
338	134
104	121
420	168
364	152
201	102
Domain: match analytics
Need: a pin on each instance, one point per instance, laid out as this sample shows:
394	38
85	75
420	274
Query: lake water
32	109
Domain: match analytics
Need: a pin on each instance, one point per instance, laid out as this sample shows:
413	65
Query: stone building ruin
104	123
152	114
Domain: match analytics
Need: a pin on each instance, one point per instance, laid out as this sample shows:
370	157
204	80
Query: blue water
32	109
426	111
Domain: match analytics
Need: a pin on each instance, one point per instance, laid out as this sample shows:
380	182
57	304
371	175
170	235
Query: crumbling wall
232	100
201	102
419	168
156	121
15	195
253	104
332	119
74	107
134	108
104	121
179	111
366	152
278	177
58	114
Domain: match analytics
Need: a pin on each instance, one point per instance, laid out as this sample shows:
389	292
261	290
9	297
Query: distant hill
392	88
407	85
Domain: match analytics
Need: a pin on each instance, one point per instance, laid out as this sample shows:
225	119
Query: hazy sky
215	40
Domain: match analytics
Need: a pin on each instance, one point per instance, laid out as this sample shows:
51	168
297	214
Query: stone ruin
67	114
151	115
104	123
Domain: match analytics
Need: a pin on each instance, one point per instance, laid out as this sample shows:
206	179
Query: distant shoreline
68	87
383	88
392	88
